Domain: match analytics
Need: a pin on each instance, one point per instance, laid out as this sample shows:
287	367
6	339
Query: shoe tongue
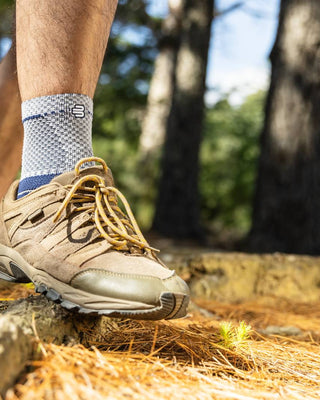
69	178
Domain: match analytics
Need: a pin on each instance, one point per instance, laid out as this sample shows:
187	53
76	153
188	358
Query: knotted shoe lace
78	241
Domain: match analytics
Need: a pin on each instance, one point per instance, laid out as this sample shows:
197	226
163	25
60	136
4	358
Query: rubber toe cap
175	284
138	288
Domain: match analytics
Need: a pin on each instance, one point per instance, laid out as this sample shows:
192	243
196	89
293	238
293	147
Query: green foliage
233	337
120	101
230	145
6	19
229	156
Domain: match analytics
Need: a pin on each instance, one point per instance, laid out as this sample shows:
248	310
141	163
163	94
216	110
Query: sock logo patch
78	111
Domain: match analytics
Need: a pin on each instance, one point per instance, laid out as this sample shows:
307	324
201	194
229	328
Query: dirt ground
210	354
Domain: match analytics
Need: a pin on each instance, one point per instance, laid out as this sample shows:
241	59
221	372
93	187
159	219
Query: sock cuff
57	134
27	185
68	105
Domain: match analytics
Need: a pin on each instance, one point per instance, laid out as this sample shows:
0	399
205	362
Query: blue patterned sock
57	134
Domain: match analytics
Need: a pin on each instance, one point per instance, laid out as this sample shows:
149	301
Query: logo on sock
78	111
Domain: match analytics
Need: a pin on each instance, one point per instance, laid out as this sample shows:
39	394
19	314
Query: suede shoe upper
74	230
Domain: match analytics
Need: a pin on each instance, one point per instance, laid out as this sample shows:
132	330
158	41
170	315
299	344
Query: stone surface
282	331
52	322
22	321
15	350
236	277
225	277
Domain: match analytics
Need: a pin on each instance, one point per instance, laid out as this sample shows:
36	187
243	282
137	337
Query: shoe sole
14	268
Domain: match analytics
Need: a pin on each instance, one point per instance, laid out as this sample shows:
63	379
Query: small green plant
234	336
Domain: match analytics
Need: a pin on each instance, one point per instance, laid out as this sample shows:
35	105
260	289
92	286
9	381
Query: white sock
57	134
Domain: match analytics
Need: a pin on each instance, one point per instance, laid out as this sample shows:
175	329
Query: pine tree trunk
162	82
177	211
287	203
11	131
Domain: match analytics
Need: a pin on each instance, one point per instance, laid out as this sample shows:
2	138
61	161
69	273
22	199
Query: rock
195	308
15	350
52	323
282	331
236	277
23	322
224	277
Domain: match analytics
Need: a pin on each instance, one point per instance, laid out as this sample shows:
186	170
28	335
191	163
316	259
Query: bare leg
61	44
10	121
60	48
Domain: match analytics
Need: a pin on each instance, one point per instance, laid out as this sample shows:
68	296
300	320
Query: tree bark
162	82
286	213
11	130
177	210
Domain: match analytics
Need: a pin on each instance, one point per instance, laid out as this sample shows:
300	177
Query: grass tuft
233	336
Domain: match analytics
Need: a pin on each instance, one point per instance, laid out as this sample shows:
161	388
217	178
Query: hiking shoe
72	240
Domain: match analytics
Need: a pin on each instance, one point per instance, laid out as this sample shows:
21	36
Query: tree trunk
11	130
162	82
286	213
177	211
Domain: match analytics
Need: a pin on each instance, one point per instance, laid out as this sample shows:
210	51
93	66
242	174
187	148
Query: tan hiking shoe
71	239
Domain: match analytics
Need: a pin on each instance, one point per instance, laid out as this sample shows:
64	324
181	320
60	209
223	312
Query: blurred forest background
231	174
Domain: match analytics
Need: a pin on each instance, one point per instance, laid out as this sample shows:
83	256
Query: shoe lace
118	228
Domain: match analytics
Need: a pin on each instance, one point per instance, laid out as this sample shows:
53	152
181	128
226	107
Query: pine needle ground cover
267	349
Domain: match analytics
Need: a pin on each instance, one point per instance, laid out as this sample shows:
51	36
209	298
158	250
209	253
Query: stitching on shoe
115	274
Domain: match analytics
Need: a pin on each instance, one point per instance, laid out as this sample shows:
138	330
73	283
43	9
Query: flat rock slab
236	277
24	321
224	277
15	350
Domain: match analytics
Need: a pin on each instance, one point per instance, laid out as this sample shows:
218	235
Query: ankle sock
57	134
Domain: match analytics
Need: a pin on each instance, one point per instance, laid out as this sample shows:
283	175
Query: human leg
69	235
60	48
61	45
10	121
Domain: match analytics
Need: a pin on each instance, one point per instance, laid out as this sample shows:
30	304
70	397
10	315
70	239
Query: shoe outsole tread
172	305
